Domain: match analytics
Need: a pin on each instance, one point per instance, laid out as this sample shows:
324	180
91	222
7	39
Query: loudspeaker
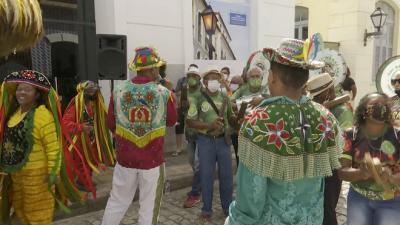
111	57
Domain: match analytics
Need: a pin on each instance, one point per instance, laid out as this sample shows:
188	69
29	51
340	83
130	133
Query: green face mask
192	81
255	82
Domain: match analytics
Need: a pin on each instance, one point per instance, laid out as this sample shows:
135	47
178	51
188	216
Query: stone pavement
172	212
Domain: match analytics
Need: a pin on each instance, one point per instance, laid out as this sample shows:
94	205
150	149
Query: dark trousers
333	186
235	144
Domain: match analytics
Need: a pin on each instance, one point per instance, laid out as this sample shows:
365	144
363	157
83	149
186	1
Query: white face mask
213	86
234	87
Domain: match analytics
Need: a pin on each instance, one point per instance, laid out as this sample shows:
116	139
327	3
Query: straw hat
319	84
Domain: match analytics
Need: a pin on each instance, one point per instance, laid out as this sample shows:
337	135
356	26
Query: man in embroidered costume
396	100
210	115
193	93
287	145
31	149
139	111
85	121
322	91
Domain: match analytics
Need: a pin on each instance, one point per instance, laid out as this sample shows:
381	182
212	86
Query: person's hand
256	101
87	128
386	174
365	173
217	124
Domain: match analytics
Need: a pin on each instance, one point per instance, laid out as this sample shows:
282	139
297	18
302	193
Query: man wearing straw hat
210	115
139	111
321	90
287	145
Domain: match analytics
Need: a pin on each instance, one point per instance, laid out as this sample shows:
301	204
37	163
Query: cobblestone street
172	212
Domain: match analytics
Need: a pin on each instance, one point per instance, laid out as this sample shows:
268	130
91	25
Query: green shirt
244	90
190	133
344	115
201	110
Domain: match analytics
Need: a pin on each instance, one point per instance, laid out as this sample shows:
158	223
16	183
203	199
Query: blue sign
237	19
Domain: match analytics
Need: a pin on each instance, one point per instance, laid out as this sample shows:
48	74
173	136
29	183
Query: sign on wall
230	40
237	19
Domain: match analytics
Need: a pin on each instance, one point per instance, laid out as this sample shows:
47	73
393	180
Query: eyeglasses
394	81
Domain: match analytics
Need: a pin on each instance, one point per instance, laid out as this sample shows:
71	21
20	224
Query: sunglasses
394	81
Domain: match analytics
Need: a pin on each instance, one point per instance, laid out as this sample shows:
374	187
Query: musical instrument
258	60
375	167
21	25
337	101
334	65
387	71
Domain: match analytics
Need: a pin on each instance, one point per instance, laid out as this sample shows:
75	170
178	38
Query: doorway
64	56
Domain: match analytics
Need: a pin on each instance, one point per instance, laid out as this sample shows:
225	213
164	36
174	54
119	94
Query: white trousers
227	221
124	185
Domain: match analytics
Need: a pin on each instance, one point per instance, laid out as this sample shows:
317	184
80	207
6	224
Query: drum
388	70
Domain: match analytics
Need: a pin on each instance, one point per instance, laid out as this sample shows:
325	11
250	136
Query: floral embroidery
326	128
150	97
128	97
258	114
277	135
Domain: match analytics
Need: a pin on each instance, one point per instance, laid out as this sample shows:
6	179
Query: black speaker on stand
111	57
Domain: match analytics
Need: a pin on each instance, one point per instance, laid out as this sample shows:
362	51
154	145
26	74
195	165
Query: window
198	55
383	45
301	23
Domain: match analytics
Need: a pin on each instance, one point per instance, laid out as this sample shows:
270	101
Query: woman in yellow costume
32	160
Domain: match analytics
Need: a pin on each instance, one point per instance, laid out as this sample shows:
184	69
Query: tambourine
21	25
387	71
375	167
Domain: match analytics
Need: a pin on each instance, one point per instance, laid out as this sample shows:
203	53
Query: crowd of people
295	138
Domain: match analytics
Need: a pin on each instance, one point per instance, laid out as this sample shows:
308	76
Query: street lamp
210	25
378	18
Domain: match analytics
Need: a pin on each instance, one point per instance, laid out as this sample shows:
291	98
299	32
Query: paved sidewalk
172	212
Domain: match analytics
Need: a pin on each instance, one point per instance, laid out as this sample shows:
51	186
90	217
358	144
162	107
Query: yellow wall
318	17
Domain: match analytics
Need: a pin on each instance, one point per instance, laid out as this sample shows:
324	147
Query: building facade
345	22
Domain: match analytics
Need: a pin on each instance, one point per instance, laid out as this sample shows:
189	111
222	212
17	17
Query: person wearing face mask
396	100
87	135
139	112
321	90
211	115
181	84
251	87
190	93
